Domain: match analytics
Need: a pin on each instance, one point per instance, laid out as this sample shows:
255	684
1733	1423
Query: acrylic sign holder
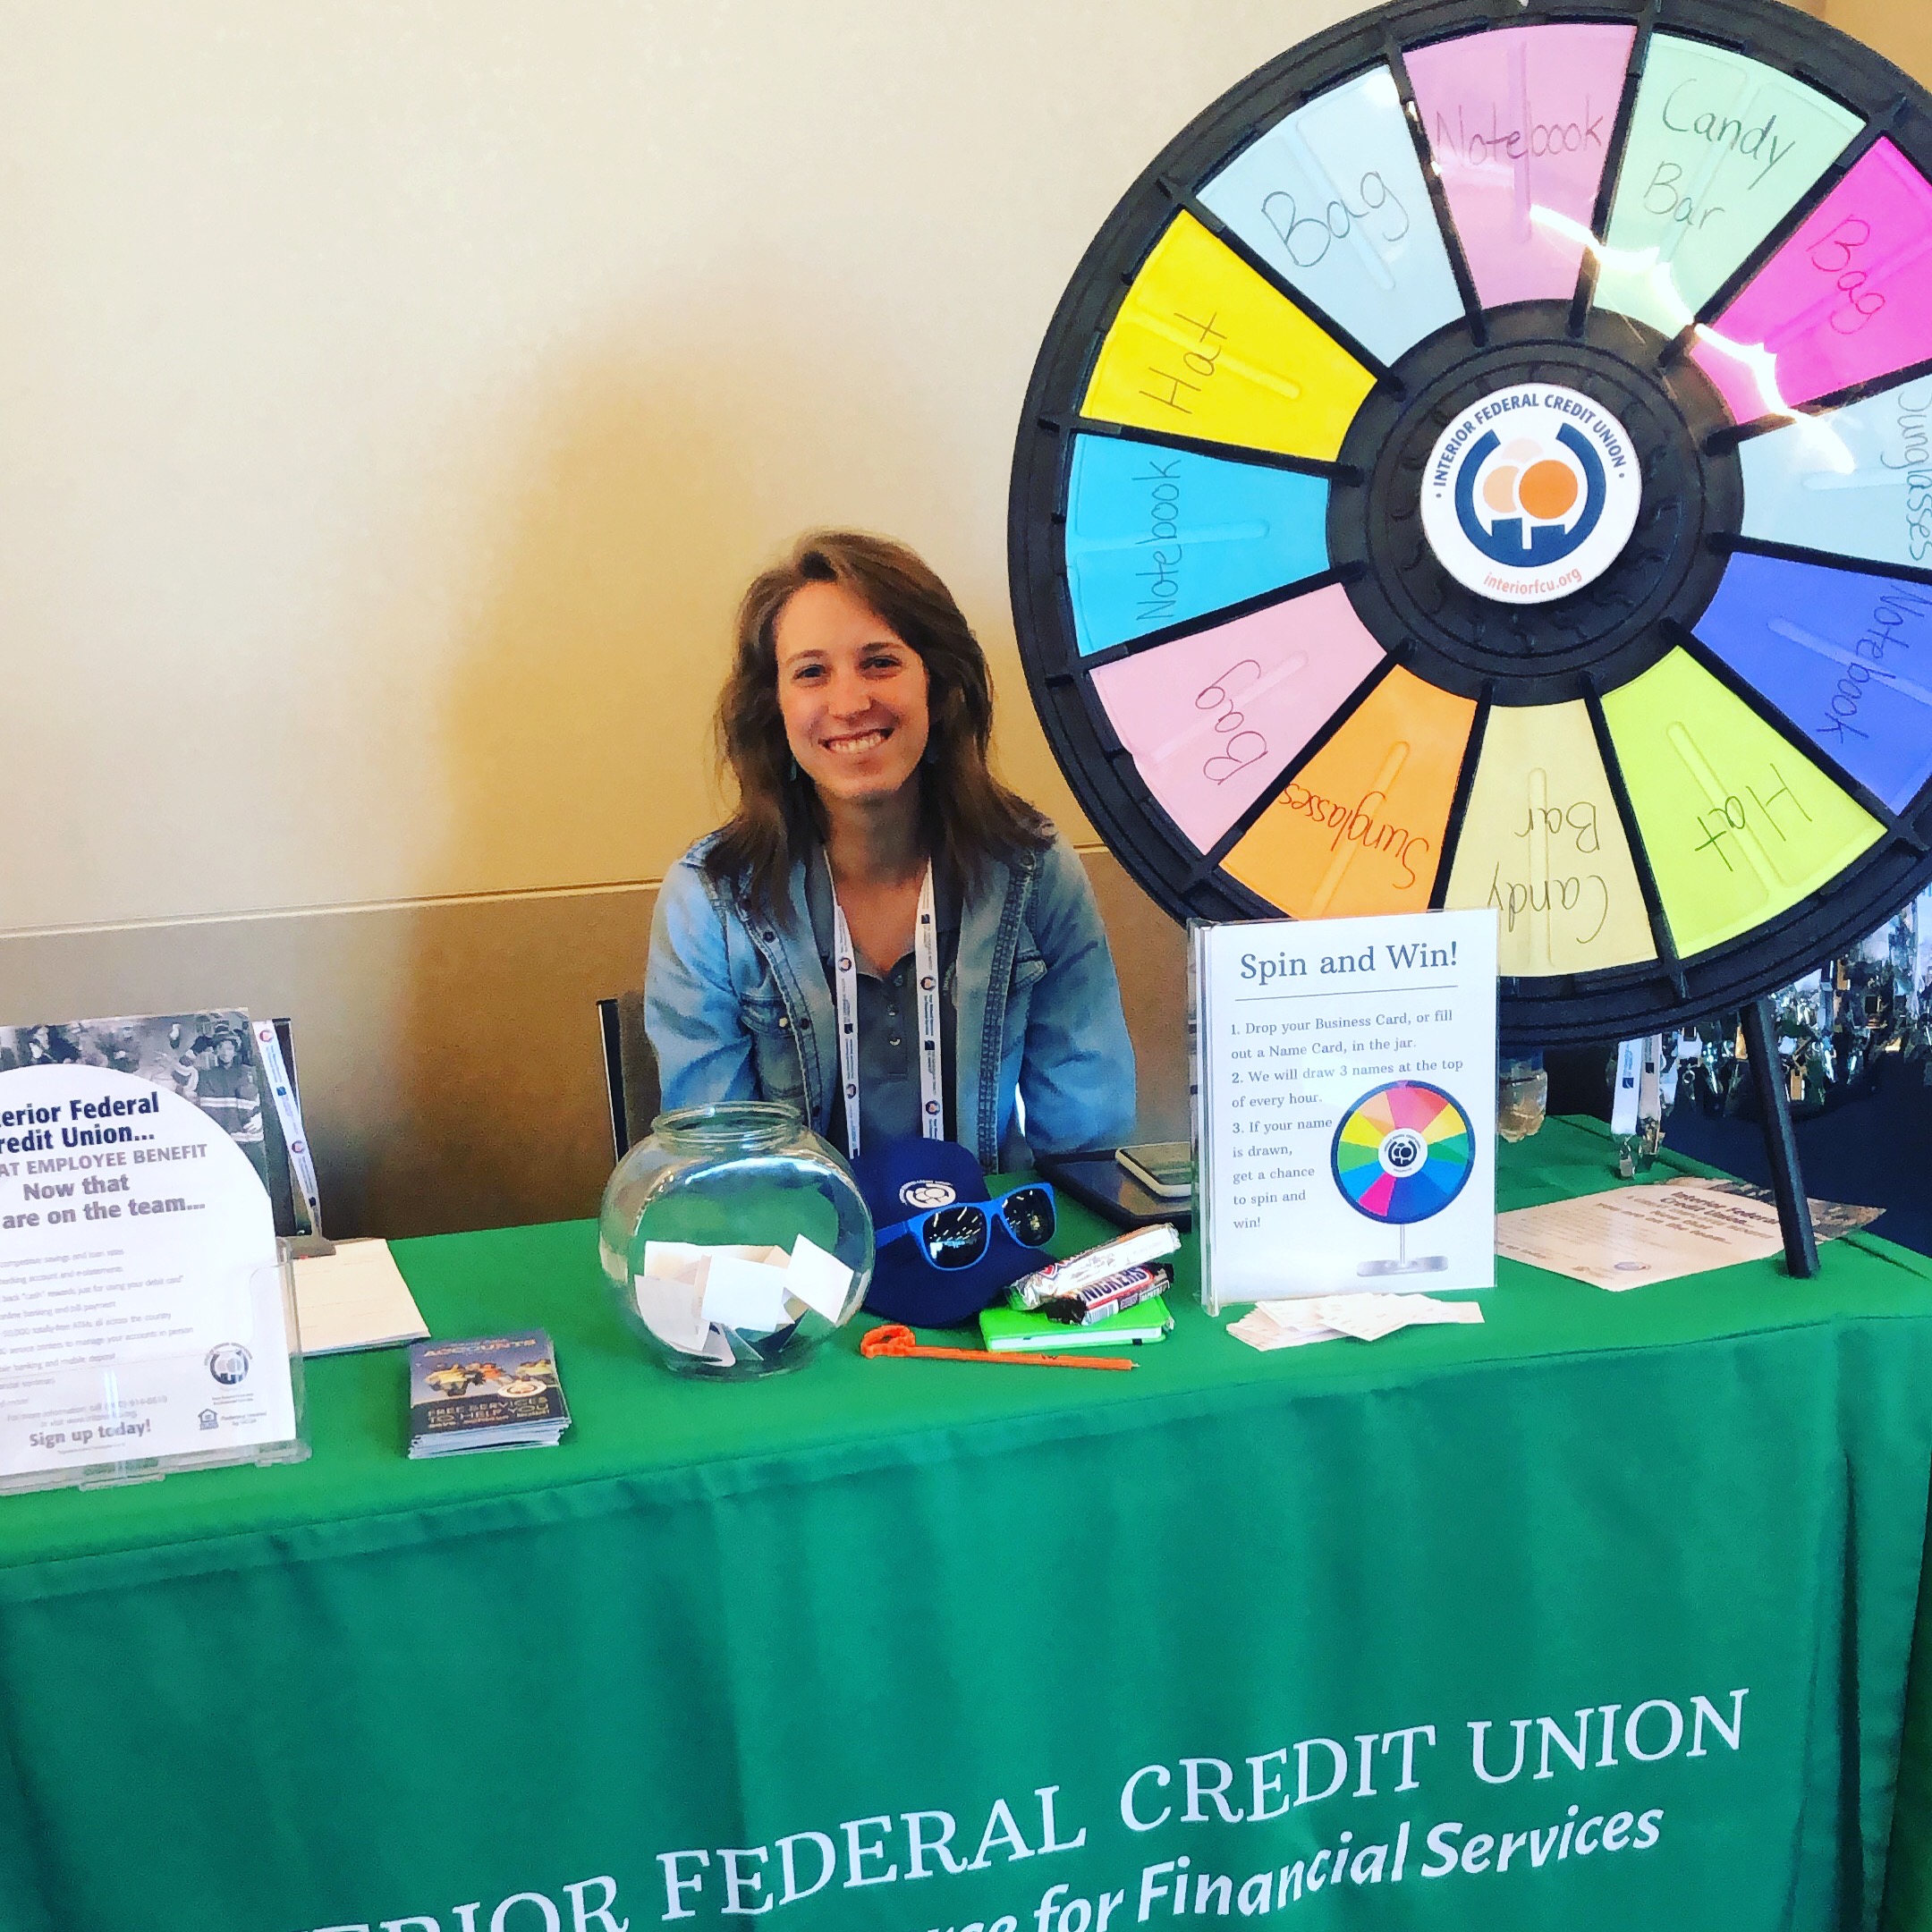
1487	460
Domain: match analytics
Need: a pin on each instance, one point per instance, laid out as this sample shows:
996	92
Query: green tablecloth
852	1624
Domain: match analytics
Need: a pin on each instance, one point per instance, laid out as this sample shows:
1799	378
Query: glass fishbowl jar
734	1240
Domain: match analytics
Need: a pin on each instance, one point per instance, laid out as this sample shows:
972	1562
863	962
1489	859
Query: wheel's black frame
1556	1010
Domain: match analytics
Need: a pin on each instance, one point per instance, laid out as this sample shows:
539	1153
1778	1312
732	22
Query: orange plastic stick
895	1339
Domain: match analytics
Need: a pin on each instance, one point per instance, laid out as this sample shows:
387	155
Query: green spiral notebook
1004	1328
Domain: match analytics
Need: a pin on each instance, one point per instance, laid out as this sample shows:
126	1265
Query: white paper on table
717	1347
1284	1325
1259	1333
1370	1318
1360	1318
1369	1322
1427	1309
354	1299
821	1281
1301	1314
747	1295
1629	1236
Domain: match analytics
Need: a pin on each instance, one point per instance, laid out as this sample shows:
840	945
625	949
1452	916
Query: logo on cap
928	1194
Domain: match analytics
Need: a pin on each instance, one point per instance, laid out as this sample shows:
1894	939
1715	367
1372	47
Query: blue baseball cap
905	1180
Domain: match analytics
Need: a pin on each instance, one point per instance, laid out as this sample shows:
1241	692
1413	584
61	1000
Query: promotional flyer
1345	1105
141	1311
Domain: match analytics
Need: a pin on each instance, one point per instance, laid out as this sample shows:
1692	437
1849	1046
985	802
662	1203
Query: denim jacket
737	1007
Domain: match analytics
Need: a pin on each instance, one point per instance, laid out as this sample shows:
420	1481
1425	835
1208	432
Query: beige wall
1900	29
398	392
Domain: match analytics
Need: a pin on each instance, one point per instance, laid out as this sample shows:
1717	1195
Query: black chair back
630	1070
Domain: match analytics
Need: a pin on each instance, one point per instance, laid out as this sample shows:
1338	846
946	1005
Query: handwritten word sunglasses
958	1236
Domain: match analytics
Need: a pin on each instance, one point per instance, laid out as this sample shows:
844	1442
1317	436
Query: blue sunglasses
957	1236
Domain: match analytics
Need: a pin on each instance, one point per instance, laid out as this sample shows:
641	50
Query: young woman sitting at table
877	889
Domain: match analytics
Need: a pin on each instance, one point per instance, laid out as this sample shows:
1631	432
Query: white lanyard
1638	1092
289	1115
926	970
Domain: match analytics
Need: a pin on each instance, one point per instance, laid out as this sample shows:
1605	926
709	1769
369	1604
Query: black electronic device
1096	1180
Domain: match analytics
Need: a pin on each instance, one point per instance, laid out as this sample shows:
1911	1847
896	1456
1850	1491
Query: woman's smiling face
852	693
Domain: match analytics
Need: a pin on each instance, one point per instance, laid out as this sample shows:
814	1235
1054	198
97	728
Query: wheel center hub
1530	493
1518	515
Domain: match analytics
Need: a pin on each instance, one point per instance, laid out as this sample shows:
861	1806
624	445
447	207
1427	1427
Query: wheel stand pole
1781	1144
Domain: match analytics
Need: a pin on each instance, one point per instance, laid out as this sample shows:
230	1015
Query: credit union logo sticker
1530	493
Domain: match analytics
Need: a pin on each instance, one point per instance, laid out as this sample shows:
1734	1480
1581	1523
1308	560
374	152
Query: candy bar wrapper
1058	1278
1111	1295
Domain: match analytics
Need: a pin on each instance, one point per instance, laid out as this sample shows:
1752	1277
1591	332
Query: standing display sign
1345	1105
147	1316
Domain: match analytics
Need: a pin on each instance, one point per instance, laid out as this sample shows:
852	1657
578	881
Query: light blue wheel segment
1855	483
1333	200
1159	536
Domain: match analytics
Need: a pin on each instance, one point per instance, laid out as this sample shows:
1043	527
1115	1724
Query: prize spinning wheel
1487	460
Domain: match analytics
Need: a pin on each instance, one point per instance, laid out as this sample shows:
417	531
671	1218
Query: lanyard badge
926	970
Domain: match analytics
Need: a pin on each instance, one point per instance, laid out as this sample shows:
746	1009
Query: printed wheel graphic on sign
1489	462
1402	1154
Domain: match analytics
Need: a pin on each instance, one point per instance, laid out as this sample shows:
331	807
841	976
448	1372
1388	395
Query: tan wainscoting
450	1063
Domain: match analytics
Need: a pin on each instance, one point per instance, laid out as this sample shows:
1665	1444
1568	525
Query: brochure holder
1344	1103
123	1470
147	1317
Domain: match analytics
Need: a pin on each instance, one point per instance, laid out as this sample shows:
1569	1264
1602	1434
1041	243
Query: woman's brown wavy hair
968	817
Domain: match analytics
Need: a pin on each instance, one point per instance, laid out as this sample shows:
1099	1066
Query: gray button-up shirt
888	1020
